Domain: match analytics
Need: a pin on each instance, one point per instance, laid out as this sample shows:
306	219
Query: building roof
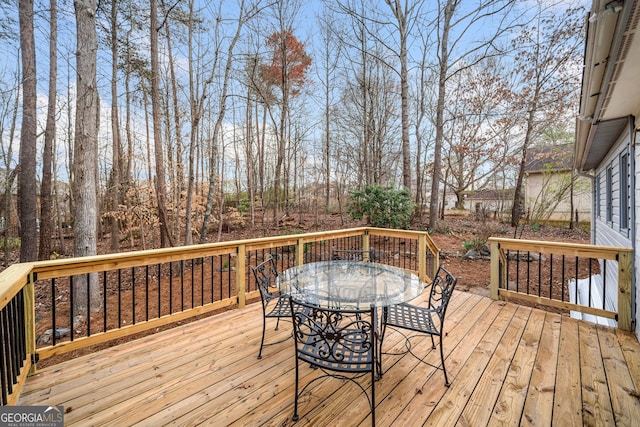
610	79
488	194
549	158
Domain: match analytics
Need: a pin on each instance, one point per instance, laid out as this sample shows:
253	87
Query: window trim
609	193
623	180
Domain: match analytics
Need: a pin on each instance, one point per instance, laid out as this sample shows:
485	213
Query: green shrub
381	207
12	243
476	244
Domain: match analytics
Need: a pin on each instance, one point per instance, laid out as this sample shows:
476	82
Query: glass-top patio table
350	284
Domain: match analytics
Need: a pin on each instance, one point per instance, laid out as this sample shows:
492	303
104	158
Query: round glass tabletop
350	284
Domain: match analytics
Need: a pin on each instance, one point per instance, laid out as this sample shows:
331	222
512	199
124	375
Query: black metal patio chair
274	303
341	343
352	254
426	320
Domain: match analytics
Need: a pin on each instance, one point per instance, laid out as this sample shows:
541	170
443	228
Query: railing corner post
241	282
624	290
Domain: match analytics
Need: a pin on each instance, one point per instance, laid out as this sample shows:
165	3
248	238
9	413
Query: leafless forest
151	124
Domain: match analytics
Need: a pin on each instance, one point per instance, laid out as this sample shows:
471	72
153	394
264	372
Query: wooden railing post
495	269
300	251
624	290
30	321
422	257
241	274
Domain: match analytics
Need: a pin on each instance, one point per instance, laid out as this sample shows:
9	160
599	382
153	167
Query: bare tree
457	25
473	144
161	192
246	12
86	152
28	134
116	152
546	67
46	217
9	109
328	64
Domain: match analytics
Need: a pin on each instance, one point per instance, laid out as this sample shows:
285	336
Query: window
624	191
609	193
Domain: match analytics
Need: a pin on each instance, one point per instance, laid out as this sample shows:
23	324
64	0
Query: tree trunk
85	154
516	208
46	217
165	235
115	132
440	107
27	173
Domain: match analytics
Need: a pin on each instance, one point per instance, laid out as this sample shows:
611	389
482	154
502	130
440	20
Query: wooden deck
508	364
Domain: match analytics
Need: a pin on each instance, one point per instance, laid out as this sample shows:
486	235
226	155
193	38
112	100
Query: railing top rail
15	275
560	248
12	280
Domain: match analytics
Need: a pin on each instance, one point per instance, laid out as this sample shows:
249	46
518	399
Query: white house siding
610	233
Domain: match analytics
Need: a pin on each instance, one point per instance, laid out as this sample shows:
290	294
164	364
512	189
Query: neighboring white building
548	191
607	131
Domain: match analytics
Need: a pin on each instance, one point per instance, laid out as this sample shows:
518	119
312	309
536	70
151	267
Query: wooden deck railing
53	307
540	273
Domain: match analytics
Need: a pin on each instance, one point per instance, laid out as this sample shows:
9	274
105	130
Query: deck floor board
507	364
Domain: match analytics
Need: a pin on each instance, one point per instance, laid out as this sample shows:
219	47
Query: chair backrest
334	339
352	254
441	290
265	274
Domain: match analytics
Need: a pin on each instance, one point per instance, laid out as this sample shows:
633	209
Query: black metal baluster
590	284
229	272
517	273
88	304
171	288
563	276
14	340
192	280
528	272
159	290
119	298
539	273
53	311
576	276
133	295
4	369
604	283
104	301
202	281
508	268
146	292
6	352
212	278
22	329
70	308
181	285
550	276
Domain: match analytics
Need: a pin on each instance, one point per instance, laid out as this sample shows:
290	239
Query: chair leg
433	343
373	398
295	401
264	326
277	324
444	369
